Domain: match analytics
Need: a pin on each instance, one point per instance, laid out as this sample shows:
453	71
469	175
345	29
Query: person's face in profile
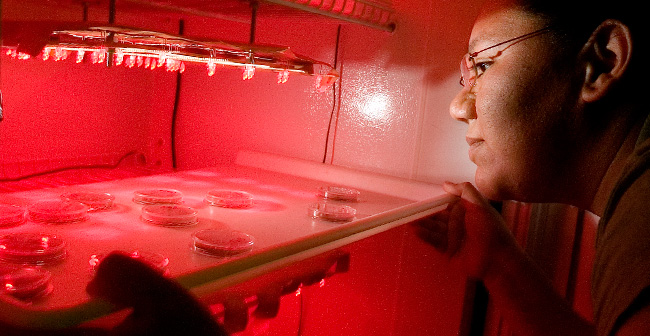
517	108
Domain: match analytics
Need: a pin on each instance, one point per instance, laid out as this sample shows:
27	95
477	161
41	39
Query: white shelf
278	220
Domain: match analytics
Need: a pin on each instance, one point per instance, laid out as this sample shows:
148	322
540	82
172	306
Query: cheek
503	161
524	110
502	120
515	126
524	114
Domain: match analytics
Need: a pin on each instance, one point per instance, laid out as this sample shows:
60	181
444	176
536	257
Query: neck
598	200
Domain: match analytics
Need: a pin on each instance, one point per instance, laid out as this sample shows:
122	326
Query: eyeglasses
470	71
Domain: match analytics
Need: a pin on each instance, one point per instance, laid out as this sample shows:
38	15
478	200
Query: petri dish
229	199
11	215
57	211
157	196
95	201
332	212
32	248
221	243
169	215
25	282
339	193
153	259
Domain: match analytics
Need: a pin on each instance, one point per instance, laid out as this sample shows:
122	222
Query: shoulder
621	275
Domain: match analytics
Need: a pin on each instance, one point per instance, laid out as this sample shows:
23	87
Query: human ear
607	55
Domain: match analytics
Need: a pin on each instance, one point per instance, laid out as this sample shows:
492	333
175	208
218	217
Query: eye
481	67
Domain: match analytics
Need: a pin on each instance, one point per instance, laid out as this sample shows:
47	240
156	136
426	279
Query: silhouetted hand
160	305
469	231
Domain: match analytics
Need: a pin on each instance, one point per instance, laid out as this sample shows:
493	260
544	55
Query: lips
474	145
472	141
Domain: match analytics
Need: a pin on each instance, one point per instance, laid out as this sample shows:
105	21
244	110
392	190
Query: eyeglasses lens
467	71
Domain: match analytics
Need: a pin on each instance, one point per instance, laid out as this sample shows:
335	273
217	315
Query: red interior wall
223	114
63	111
395	286
61	114
389	113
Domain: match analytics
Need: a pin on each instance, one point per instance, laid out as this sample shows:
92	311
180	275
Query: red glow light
94	261
171	62
212	68
283	76
130	61
119	57
80	56
162	58
173	65
249	72
13	53
323	82
60	54
98	56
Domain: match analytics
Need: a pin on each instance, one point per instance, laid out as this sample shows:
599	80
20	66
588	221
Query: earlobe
607	56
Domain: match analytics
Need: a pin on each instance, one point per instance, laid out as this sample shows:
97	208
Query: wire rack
378	14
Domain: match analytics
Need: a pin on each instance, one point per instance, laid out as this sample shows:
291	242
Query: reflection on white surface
376	107
101	232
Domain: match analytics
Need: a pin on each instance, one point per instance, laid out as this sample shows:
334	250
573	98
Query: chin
499	189
488	188
495	190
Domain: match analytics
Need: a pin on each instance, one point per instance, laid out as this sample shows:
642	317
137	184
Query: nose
463	107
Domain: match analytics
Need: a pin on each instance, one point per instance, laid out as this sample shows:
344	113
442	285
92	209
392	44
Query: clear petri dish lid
11	215
153	259
57	211
157	196
229	199
32	248
25	282
156	260
221	243
169	215
339	193
332	212
95	201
